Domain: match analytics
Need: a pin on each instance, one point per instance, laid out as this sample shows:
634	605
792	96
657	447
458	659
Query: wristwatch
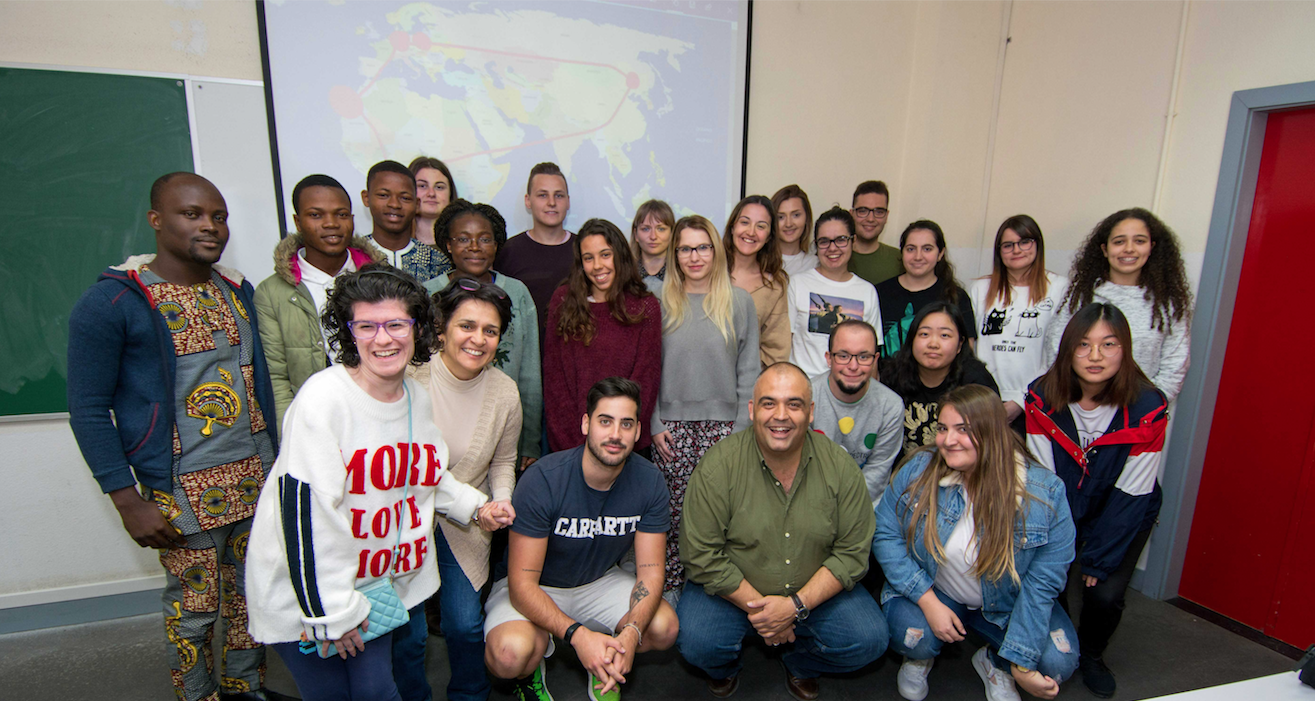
800	611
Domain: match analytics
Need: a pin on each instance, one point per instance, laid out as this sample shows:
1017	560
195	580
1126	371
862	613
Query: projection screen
634	100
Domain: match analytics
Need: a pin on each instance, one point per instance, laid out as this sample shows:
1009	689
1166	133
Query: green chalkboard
78	154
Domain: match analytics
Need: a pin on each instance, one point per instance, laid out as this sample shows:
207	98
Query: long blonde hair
998	493
719	304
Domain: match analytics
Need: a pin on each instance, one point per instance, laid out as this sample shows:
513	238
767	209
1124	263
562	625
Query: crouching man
776	531
578	512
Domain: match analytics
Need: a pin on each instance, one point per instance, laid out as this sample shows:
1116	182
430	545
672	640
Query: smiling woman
928	277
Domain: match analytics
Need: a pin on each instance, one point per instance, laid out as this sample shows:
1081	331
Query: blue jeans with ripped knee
911	636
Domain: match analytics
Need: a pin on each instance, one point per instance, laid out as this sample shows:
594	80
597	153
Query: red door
1251	555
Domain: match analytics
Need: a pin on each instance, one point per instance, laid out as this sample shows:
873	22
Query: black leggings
1102	605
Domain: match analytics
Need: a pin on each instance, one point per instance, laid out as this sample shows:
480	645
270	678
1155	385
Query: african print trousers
689	441
204	581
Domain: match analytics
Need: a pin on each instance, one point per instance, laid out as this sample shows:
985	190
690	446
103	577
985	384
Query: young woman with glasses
472	234
650	235
753	258
1132	260
928	277
823	297
973	534
326	524
709	364
1098	422
1014	306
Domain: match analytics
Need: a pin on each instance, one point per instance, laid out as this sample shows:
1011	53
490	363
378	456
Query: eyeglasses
702	249
1108	348
1020	244
366	330
465	241
838	242
470	284
866	212
863	359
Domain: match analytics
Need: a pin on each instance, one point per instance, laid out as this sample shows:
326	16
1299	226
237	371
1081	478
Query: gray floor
1158	650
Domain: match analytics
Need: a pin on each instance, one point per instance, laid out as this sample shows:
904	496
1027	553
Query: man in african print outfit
169	344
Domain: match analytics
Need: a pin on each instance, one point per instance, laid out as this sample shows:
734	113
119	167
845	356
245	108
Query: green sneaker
532	688
614	694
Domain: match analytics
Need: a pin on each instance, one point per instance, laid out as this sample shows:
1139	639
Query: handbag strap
406	480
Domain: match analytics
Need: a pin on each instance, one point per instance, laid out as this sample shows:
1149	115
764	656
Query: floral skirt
689	441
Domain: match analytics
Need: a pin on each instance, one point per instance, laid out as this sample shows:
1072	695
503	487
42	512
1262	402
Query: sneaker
999	683
532	688
593	694
913	678
1098	678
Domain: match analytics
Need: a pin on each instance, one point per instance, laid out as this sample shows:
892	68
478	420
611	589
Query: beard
851	390
601	456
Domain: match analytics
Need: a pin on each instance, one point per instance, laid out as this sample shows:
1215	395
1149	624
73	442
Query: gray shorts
599	605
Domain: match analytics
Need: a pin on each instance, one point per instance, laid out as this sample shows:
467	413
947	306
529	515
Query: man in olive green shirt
776	529
873	260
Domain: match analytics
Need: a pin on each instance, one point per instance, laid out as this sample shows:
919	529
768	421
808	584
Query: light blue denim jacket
1043	551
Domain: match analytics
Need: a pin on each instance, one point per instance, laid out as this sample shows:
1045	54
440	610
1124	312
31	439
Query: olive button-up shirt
739	523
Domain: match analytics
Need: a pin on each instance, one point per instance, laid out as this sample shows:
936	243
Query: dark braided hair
460	208
1163	277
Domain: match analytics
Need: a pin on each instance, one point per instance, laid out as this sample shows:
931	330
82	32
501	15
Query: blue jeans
843	634
463	627
912	636
366	677
409	657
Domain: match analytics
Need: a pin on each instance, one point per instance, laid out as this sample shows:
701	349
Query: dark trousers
1102	605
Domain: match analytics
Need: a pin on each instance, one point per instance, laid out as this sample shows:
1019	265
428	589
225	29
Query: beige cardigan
489	463
773	324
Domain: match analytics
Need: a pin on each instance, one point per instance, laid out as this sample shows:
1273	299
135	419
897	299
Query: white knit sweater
326	521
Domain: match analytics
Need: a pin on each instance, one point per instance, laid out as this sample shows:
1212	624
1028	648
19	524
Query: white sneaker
999	684
913	678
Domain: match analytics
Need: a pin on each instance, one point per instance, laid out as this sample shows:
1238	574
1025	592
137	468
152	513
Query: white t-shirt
797	263
318	283
955	576
817	304
1011	339
1092	424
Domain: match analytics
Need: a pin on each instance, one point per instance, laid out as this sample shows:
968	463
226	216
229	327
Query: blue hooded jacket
121	359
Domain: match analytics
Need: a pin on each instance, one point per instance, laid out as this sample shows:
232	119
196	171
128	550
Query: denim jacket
1043	551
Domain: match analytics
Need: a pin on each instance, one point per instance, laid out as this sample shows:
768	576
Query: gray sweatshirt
1162	355
703	377
871	430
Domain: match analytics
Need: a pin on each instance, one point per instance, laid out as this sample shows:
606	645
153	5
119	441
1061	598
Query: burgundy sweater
570	368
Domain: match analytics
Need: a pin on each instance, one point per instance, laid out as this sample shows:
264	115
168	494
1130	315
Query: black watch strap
800	611
570	632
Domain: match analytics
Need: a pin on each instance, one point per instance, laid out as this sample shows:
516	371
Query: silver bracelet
638	633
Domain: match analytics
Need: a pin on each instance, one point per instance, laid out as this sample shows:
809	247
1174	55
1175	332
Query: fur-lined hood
287	265
134	265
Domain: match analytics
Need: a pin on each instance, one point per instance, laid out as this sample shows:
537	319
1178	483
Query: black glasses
838	242
1021	244
865	212
470	284
863	359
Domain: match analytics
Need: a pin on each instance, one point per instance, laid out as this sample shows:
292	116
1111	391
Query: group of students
425	367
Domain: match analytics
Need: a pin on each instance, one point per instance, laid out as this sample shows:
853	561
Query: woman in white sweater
1014	306
478	409
1132	260
710	361
351	498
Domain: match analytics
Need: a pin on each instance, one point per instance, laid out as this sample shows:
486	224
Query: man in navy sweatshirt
168	343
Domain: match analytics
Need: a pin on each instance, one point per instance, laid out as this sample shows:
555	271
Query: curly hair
460	208
900	371
575	320
769	259
1163	276
377	282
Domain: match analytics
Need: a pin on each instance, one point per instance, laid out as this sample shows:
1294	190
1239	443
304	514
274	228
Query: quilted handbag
387	612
